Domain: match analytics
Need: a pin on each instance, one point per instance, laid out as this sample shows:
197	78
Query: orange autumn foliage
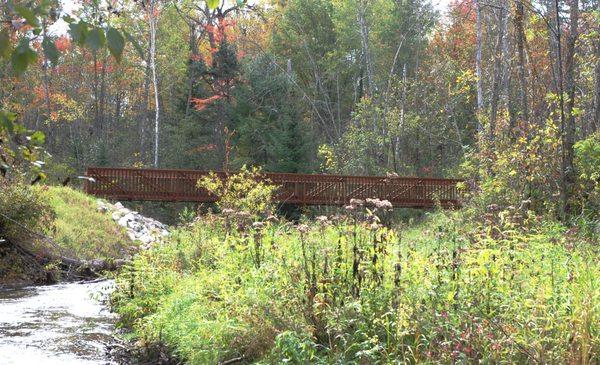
62	43
201	104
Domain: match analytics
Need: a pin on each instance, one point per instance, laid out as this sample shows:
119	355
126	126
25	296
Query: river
57	324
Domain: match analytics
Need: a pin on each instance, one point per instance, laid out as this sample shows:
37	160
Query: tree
568	116
268	120
152	13
27	24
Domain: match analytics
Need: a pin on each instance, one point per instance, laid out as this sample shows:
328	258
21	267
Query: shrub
22	212
22	209
246	191
587	162
520	170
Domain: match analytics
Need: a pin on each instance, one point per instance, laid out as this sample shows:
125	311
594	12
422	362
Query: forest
501	94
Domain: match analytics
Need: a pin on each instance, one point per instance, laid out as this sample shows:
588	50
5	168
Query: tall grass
79	229
354	290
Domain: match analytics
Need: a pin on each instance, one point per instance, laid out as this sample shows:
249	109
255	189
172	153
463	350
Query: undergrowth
500	288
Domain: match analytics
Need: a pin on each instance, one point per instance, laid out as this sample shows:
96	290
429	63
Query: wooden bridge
302	189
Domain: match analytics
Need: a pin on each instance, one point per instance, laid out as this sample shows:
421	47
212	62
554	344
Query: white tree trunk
152	19
364	38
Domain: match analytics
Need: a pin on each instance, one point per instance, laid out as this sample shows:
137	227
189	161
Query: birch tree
153	10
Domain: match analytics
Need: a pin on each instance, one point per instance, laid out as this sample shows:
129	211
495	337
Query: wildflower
228	211
302	228
356	202
322	219
384	204
493	207
337	218
349	207
241	227
242	214
258	224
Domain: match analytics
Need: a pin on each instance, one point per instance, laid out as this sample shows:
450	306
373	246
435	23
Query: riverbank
71	236
59	236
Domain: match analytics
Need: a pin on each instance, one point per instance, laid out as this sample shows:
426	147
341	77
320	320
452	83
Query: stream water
57	324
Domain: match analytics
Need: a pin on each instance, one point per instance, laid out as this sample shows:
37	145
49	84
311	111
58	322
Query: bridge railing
308	189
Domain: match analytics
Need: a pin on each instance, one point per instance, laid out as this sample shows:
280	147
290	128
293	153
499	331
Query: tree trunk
568	131
96	126
498	70
364	39
102	101
520	34
152	20
478	67
596	121
552	45
192	73
144	110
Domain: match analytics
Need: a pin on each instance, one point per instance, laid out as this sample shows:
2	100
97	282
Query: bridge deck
305	189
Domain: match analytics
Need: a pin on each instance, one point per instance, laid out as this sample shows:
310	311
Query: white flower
322	219
302	228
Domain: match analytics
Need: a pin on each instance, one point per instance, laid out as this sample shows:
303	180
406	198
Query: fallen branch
232	361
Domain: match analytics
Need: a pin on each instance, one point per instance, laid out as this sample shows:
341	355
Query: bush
22	212
22	209
587	163
246	191
521	170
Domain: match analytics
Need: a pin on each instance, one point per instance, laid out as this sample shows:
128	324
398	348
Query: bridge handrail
171	184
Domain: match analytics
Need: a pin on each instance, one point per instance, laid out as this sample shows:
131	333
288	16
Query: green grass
446	290
80	229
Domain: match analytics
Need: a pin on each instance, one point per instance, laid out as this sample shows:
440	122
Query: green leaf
212	4
68	19
7	120
37	138
240	3
22	56
78	32
46	7
28	14
95	39
50	50
135	43
115	42
5	47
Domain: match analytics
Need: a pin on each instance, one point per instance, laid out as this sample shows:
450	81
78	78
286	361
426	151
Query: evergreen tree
268	120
